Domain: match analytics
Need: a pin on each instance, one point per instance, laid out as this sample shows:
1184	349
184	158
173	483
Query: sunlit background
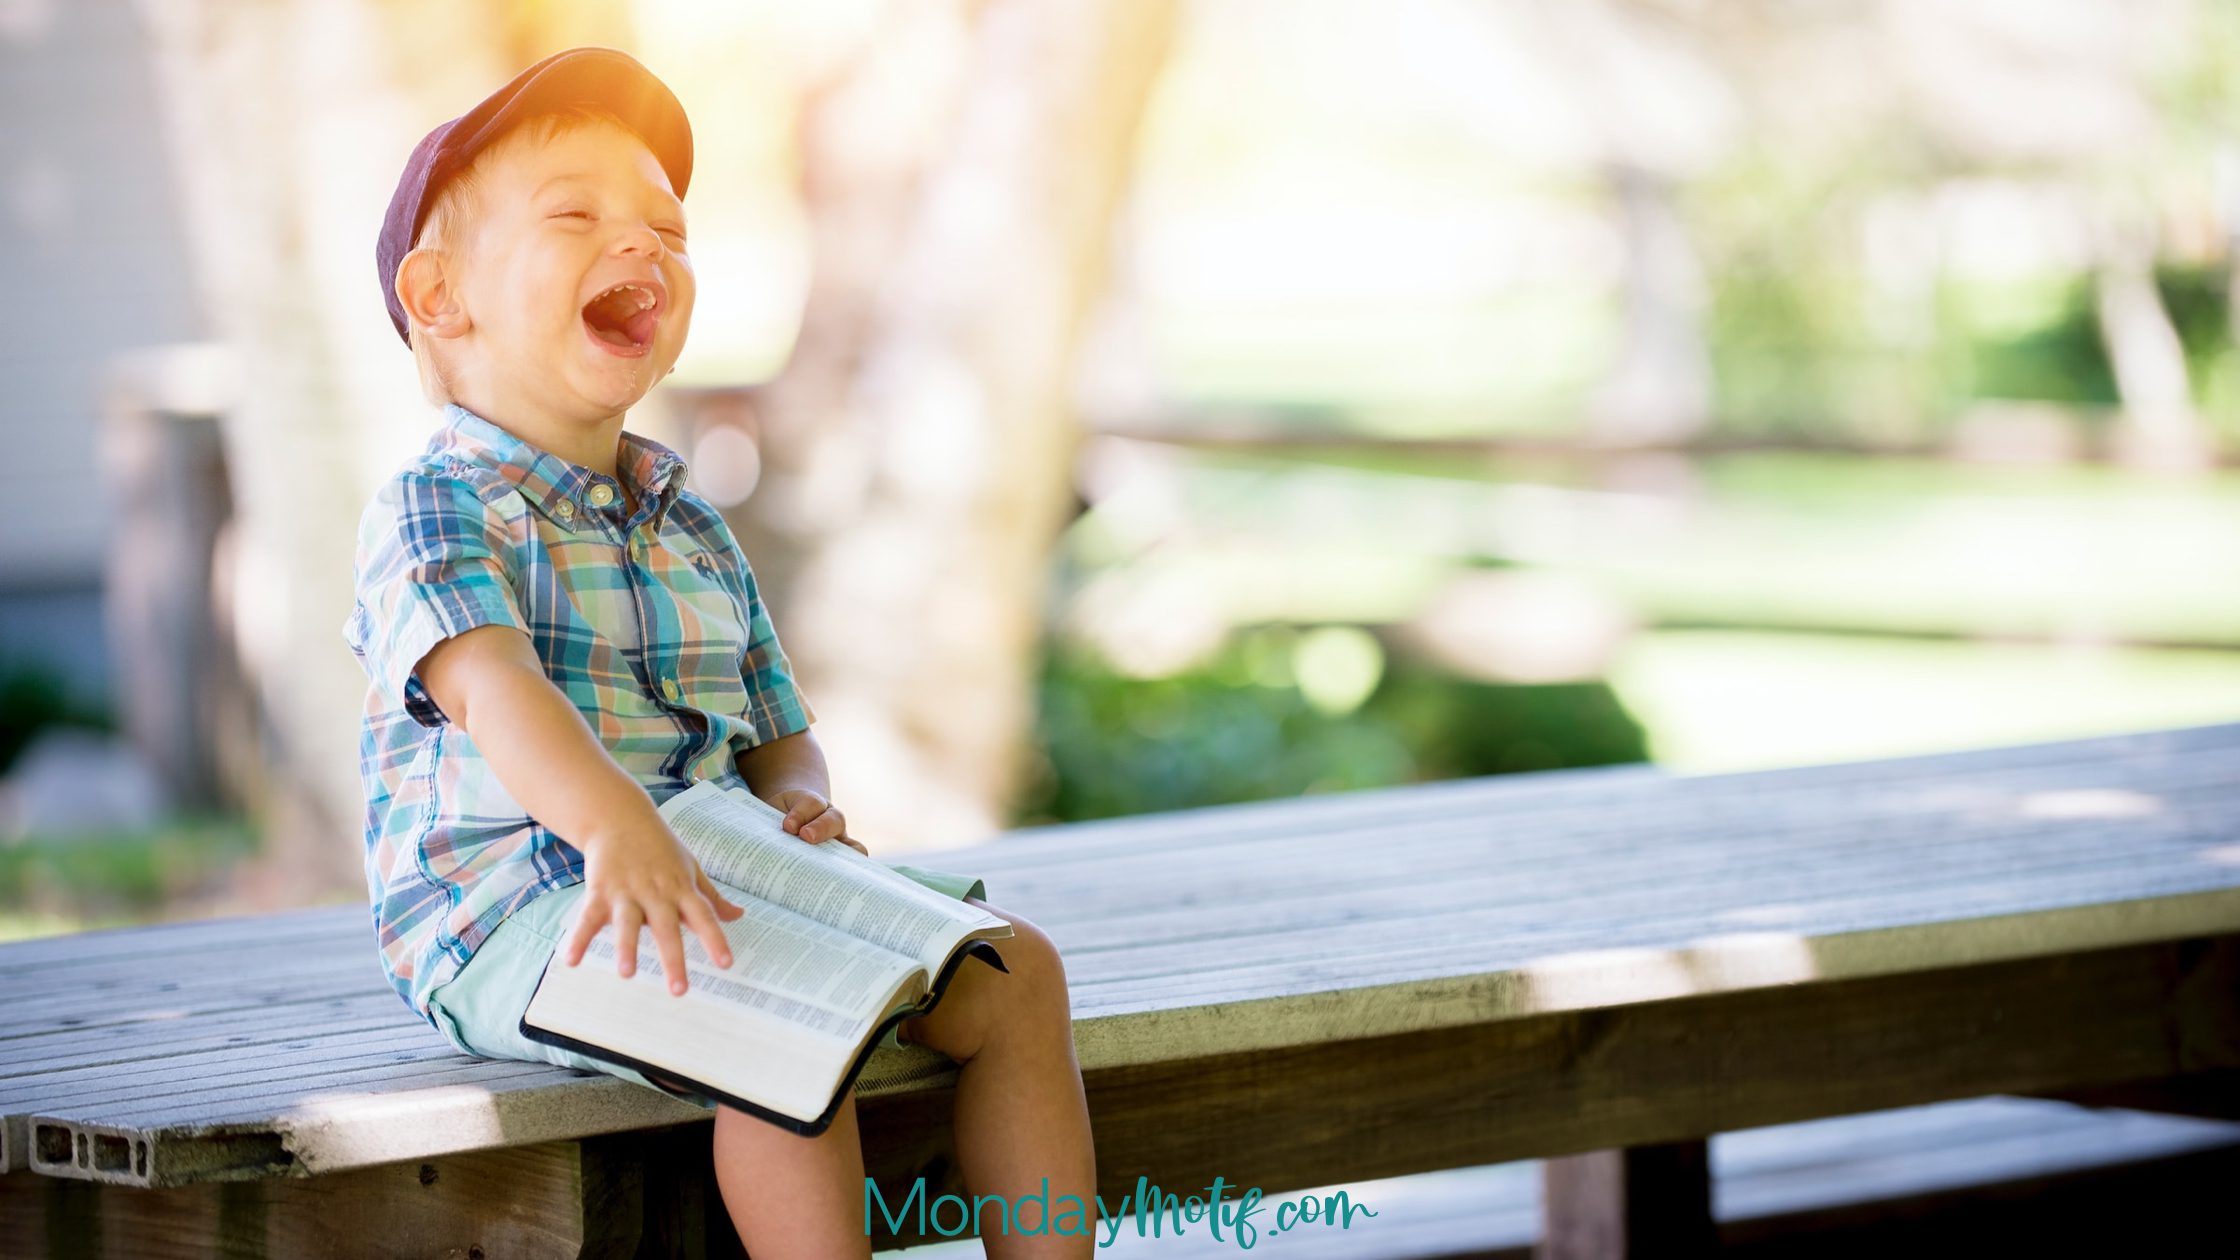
1225	400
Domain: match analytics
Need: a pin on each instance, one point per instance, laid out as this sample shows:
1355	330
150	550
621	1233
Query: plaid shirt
651	624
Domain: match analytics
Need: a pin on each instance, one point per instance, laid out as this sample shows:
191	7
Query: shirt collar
564	491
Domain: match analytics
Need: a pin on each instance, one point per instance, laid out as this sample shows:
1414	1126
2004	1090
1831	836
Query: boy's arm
489	682
790	773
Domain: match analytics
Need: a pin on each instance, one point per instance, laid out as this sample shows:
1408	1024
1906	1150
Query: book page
790	968
754	1041
741	841
777	954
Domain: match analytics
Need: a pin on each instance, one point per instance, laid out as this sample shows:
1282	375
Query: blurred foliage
134	871
2199	306
1235	729
32	699
2038	341
1804	346
2050	349
1778	262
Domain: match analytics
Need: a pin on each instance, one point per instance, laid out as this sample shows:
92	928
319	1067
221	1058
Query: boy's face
561	225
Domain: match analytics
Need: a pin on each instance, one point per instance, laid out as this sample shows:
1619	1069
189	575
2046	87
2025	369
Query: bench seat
1339	986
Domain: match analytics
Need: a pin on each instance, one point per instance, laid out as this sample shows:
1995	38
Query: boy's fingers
805	807
824	826
668	942
590	916
626	924
702	917
716	898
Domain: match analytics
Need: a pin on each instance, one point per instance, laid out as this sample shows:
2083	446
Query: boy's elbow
465	667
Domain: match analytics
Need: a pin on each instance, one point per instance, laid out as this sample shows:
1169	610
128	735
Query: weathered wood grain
556	1200
1207	937
1654	1072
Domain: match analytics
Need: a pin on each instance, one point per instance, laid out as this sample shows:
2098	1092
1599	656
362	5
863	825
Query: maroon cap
605	77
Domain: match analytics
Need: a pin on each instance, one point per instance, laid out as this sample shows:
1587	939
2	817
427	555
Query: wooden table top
273	1046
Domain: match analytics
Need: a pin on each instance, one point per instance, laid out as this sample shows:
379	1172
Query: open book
834	948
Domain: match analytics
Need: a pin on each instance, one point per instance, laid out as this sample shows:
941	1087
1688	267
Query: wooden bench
1604	966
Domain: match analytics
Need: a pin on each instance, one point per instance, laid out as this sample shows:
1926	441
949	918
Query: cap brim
602	77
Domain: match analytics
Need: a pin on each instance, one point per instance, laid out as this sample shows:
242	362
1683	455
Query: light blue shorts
479	1010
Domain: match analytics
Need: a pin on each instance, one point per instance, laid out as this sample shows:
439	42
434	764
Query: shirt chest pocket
707	654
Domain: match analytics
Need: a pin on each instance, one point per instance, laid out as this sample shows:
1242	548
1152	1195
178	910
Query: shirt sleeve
774	698
434	560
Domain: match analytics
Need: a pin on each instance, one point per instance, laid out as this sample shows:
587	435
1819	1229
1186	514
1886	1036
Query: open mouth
624	317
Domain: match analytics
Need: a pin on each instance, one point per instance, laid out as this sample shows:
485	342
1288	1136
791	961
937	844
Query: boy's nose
643	240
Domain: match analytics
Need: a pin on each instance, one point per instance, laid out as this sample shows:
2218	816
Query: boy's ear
424	289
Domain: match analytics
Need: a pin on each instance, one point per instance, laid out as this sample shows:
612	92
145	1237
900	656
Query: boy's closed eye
674	233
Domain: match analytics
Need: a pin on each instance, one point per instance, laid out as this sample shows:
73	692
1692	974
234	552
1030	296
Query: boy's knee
1037	973
1029	995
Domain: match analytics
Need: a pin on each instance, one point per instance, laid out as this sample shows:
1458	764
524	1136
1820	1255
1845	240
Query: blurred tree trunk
962	173
1659	391
272	110
2160	427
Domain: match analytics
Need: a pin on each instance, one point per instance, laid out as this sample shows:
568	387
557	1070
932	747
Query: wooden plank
1404	970
167	1076
1367	957
1537	872
332	976
2176	815
1575	1081
1830	895
1322	1025
161	1148
1638	1203
147	1038
1332	1003
561	1200
366	1122
1585	831
1589	789
263	963
1793	1187
1834	897
162	940
1076	949
357	927
1972	1142
370	1068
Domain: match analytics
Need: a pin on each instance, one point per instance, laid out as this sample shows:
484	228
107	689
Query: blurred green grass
1737	700
1778	539
100	879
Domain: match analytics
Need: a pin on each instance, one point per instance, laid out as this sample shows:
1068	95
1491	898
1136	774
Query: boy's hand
644	876
814	818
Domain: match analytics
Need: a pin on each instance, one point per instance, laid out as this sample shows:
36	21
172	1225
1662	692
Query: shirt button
565	509
669	689
601	495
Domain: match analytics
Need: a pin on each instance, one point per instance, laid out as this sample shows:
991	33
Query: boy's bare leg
790	1195
1021	1114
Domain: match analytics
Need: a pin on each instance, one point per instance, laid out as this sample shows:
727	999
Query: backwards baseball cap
605	77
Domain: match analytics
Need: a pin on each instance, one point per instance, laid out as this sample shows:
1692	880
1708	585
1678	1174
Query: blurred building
94	262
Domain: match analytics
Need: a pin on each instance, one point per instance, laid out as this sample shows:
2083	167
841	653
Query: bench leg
1639	1203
